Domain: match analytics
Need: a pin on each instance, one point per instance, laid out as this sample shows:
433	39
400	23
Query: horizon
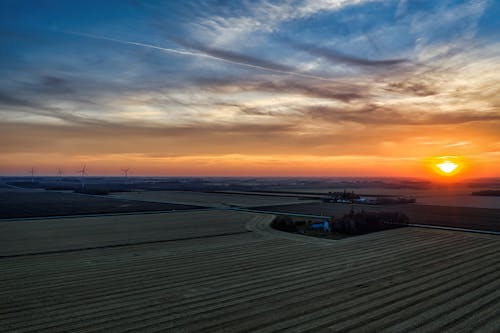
305	88
249	177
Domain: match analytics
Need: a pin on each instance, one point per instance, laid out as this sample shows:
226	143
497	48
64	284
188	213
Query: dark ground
17	204
400	280
457	217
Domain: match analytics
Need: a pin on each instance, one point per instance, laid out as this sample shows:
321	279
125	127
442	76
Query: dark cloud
345	92
341	91
30	104
254	111
8	99
412	88
55	85
339	57
232	56
373	114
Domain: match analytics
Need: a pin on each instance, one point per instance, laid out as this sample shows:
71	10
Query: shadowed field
228	271
69	234
210	199
399	280
26	203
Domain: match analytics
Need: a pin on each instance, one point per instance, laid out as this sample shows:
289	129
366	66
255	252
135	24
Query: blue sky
265	82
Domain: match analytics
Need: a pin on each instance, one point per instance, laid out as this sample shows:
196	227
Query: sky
249	88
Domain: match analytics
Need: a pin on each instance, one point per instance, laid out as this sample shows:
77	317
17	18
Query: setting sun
447	167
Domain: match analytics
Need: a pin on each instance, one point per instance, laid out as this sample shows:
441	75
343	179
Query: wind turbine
32	172
83	173
125	173
60	174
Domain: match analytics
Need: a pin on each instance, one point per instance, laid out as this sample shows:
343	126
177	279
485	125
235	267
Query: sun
446	165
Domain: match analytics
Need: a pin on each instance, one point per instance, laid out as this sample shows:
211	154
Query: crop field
400	280
64	234
458	217
27	203
451	197
212	270
207	198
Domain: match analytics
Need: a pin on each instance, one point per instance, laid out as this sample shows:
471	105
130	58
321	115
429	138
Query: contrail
183	52
198	54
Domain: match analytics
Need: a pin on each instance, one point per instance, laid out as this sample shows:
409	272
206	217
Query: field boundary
430	226
29	254
148	212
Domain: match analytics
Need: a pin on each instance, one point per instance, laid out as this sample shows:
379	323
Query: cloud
412	87
337	57
234	57
7	99
373	114
263	16
341	90
448	21
55	85
30	105
458	144
201	50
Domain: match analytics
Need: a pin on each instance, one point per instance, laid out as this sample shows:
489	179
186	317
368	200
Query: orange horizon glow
234	165
452	168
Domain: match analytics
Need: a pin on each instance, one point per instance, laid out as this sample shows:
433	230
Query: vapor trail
199	54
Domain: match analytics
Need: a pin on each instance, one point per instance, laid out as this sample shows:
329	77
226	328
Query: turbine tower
32	172
83	173
125	173
60	174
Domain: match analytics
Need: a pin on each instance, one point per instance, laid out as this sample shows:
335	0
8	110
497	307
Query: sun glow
446	165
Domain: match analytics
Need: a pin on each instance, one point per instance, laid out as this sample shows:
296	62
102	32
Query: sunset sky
251	88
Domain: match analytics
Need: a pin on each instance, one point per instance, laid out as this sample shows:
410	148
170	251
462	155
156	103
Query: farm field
449	197
458	217
400	280
461	201
207	198
212	270
39	203
75	233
